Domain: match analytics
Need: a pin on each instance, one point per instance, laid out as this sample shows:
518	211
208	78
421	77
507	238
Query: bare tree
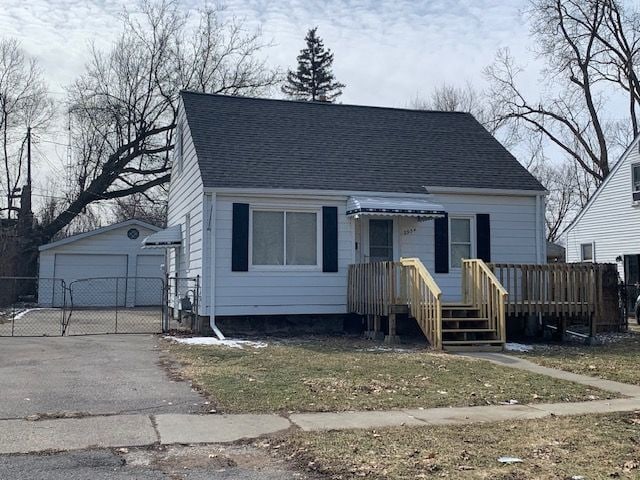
590	48
24	103
143	207
124	106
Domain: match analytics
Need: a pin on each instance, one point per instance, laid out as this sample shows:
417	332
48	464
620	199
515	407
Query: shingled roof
246	142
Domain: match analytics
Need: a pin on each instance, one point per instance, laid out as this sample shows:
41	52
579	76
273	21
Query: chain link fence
21	313
47	307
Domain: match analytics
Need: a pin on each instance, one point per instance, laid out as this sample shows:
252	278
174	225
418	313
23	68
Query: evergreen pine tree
313	80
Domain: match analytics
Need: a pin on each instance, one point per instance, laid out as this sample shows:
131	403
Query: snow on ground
213	341
25	312
517	347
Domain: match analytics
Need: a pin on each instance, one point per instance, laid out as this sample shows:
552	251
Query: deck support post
393	337
368	333
377	333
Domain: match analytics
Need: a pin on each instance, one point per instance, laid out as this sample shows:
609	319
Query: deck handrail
372	287
483	291
424	298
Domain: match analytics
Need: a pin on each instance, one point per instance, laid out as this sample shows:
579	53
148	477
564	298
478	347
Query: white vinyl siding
514	238
186	200
284	290
612	220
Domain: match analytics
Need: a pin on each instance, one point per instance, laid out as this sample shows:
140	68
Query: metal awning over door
394	206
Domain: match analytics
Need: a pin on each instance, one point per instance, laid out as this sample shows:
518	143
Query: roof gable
98	231
246	142
621	161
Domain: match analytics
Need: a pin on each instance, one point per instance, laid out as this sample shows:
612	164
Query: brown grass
589	447
337	374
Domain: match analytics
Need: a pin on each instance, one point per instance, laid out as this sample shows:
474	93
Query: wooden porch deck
490	293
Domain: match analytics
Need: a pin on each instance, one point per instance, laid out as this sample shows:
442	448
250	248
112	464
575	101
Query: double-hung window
286	238
635	182
460	231
586	252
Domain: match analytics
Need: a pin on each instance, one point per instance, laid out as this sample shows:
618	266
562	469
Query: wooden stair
464	329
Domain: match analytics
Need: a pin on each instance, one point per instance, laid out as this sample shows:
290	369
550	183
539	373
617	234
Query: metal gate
108	305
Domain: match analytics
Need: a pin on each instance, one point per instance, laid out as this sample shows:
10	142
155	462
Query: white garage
102	268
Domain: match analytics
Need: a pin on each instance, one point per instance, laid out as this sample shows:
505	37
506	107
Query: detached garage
103	268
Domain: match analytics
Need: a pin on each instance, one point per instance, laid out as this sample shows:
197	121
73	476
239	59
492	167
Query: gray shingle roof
246	142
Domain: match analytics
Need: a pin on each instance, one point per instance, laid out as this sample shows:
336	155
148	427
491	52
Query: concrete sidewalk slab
23	436
597	406
522	364
483	414
177	428
345	420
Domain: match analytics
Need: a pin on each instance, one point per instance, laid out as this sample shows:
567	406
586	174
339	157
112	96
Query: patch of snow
510	460
24	312
212	341
517	347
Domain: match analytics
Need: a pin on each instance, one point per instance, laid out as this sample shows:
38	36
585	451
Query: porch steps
464	329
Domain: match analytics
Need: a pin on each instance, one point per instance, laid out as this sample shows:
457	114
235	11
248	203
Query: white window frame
285	267
593	252
472	240
633	186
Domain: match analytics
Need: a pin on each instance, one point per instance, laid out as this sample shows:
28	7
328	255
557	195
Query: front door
380	240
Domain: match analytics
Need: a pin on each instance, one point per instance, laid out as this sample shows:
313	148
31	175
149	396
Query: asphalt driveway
92	375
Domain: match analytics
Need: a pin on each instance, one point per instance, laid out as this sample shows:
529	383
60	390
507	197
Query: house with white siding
607	229
271	201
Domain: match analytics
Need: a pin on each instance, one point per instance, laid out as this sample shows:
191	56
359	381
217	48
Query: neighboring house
270	200
607	229
108	253
555	253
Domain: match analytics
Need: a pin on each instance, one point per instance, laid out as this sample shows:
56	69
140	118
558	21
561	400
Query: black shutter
441	243
483	237
240	238
329	239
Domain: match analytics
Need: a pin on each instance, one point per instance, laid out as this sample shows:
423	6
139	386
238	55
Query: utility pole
29	158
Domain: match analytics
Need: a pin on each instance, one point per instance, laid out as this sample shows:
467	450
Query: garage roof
80	236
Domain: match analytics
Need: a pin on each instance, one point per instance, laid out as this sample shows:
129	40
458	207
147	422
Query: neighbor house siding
512	226
280	292
611	222
186	198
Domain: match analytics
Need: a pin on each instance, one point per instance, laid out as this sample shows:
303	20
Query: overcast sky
386	52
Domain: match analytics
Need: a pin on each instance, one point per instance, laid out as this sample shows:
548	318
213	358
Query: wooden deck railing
374	287
483	291
424	298
557	289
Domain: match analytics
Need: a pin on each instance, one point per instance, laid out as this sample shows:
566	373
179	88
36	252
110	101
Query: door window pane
302	237
268	238
380	240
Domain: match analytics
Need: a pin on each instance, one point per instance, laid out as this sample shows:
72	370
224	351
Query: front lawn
562	448
617	359
337	374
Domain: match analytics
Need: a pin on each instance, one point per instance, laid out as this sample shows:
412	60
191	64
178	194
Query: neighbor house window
635	178
460	239
286	238
586	252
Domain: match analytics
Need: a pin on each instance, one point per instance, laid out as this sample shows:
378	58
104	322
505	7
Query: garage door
149	280
107	274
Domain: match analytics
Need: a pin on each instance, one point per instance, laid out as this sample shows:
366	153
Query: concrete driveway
92	374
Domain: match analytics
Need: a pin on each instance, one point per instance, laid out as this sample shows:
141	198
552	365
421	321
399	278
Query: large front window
284	238
461	244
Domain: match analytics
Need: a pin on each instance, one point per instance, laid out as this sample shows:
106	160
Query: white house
607	230
101	266
270	200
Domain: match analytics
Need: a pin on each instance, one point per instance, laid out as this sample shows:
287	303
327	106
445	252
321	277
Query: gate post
117	281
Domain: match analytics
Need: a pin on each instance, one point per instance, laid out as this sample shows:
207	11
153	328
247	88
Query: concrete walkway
110	431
